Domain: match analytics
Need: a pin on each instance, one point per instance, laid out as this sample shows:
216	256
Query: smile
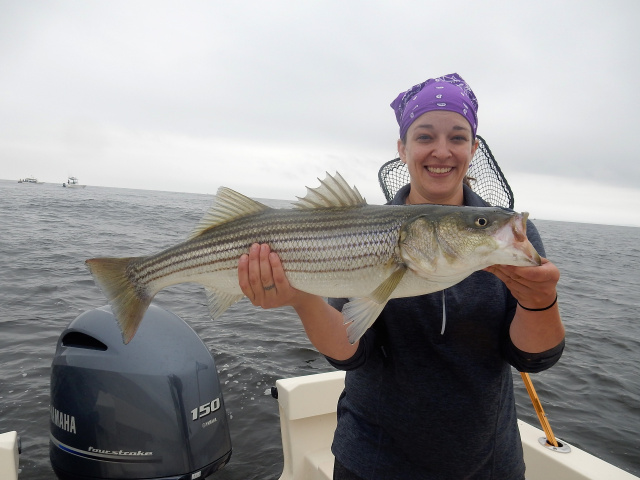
439	169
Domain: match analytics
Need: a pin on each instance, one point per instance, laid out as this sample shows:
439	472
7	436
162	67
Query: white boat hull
9	456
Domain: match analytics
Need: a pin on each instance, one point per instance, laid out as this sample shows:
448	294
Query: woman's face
438	149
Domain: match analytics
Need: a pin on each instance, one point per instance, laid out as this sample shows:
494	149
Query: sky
266	96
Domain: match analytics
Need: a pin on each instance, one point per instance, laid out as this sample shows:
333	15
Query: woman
428	391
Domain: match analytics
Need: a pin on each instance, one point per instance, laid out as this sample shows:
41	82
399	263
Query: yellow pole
551	439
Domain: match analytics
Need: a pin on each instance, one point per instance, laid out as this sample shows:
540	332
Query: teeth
439	170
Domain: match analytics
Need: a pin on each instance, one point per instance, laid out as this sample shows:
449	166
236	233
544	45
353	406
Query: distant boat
30	180
72	182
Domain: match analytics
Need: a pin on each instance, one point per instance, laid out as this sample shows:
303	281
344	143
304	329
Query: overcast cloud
265	96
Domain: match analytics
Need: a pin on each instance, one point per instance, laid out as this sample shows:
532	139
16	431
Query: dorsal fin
228	205
333	191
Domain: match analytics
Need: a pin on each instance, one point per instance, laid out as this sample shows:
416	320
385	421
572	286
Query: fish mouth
522	243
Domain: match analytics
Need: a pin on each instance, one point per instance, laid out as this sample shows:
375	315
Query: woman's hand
262	279
535	328
533	287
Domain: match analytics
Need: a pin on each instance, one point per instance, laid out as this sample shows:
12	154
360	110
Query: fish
332	243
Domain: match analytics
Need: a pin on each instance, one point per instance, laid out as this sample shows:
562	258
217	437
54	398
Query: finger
279	278
547	271
254	273
510	276
266	274
529	285
287	294
243	276
504	273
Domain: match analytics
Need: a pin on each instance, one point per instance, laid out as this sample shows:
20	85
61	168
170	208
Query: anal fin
386	288
361	312
220	301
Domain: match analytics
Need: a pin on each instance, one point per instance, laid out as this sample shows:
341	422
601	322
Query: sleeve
367	342
533	362
520	360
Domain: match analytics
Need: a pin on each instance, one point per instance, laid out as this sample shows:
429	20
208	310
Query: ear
402	151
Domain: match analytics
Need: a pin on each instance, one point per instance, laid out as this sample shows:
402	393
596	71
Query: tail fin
128	301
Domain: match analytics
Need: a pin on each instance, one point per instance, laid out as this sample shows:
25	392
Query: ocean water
592	396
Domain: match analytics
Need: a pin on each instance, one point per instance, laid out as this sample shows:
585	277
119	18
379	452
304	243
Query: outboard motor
150	409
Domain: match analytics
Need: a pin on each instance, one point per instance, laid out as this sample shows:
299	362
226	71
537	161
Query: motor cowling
150	409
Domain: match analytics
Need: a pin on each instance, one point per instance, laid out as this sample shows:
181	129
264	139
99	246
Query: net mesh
487	180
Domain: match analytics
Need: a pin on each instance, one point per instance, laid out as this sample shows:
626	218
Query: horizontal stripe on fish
292	239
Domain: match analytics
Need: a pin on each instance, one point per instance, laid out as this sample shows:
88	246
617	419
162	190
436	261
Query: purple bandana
449	92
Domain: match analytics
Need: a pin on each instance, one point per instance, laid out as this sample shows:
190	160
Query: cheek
411	160
412	152
464	156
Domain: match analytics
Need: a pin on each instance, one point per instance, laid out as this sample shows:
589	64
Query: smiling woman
415	386
438	148
438	122
483	330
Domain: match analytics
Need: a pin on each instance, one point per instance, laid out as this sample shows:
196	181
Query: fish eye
482	222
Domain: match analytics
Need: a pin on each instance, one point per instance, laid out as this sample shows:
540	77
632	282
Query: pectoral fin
220	301
386	288
362	312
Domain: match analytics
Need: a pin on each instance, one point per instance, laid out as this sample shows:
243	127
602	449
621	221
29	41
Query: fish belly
357	283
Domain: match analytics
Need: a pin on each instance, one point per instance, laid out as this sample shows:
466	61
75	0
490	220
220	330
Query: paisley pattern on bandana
448	92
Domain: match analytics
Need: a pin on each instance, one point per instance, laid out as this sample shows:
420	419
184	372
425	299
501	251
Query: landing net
487	180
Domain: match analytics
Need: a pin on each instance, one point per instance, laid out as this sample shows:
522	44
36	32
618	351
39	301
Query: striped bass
331	243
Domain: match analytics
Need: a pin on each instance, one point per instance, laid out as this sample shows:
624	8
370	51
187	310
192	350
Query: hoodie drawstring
444	312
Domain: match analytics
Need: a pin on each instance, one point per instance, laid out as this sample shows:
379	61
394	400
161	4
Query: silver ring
269	287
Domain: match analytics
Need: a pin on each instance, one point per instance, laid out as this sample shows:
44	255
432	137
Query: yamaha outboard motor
151	409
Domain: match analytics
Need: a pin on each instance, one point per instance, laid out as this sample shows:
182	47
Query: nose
441	149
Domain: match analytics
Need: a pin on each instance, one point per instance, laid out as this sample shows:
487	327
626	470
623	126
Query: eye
482	222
